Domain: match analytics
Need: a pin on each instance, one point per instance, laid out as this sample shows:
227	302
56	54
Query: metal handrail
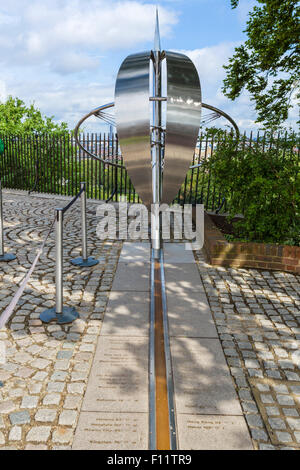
76	131
112	104
70	204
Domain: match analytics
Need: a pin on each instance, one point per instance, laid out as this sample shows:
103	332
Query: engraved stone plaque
108	431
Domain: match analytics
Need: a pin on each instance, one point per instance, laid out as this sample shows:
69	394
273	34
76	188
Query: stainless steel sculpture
157	157
157	134
172	146
183	121
133	121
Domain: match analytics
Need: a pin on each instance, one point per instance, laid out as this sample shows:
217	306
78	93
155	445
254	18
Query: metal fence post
3	256
84	260
59	313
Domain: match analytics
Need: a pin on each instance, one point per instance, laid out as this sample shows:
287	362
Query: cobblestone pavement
258	320
44	378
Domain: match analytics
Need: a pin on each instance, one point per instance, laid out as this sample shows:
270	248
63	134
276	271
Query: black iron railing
54	164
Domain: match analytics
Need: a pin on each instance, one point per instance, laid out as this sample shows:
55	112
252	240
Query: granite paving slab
127	314
118	381
202	381
111	431
212	433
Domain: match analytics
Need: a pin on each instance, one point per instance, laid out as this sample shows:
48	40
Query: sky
64	55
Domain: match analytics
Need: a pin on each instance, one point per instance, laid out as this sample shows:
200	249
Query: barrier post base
68	315
85	263
7	257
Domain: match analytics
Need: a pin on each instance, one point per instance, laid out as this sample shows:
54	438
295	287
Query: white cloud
52	30
62	54
3	94
58	53
243	9
209	62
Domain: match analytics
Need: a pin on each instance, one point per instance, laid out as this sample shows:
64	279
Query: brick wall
250	255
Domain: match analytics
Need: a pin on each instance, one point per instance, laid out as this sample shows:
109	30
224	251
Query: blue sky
64	55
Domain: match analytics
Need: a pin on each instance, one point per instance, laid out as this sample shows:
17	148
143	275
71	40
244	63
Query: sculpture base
68	315
85	263
7	257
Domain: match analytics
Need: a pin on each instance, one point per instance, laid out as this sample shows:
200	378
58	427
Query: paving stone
15	433
277	423
123	318
36	447
51	399
193	391
113	431
29	401
7	406
55	386
40	363
76	387
58	376
266	398
45	415
64	354
259	435
254	421
68	418
283	436
19	417
213	433
266	447
272	411
62	435
294	423
285	400
131	277
119	376
38	434
72	402
290	411
189	315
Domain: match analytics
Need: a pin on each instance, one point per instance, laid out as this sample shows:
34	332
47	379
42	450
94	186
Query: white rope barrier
10	308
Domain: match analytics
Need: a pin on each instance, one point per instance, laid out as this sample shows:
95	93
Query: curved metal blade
183	122
133	121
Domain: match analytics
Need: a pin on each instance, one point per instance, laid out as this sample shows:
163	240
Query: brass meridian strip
161	398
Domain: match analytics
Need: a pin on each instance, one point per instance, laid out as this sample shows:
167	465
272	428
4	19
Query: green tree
261	180
17	118
34	147
267	65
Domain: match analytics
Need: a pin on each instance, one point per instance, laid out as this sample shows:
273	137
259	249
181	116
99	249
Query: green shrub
263	185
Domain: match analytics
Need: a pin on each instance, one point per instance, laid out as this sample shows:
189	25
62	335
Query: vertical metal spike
157	46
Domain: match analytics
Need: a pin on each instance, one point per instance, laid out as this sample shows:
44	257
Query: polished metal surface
1	223
83	221
84	260
94	112
59	260
133	121
183	122
225	115
156	147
